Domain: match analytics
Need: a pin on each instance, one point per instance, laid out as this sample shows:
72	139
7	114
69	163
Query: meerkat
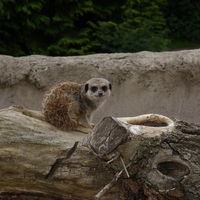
70	105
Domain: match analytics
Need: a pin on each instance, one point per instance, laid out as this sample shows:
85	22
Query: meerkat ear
110	86
86	87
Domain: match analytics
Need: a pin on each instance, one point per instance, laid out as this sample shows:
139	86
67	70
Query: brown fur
66	106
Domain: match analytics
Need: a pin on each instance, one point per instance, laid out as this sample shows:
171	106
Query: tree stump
144	157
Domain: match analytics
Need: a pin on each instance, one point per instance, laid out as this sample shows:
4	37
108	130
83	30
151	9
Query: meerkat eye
94	89
104	88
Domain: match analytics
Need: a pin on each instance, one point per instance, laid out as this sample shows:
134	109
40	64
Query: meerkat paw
92	125
83	129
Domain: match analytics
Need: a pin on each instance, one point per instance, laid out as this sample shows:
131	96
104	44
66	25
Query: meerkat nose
100	94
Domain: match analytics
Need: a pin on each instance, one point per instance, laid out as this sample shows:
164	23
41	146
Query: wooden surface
117	160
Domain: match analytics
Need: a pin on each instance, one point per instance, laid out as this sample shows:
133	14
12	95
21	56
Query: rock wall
165	83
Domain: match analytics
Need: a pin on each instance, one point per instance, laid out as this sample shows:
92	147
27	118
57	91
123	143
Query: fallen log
145	157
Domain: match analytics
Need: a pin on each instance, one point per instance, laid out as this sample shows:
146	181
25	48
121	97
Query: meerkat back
59	101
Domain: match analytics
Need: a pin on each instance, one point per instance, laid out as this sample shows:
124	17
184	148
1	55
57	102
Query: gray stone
165	83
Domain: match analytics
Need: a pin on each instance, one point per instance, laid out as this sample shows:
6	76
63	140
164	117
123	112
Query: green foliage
20	22
142	28
183	19
79	27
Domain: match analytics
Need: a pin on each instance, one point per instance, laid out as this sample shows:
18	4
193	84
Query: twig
113	159
109	185
116	177
125	168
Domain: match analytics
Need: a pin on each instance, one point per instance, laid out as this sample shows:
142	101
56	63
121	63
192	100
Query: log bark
145	157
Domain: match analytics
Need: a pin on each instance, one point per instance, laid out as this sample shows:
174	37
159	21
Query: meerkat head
97	89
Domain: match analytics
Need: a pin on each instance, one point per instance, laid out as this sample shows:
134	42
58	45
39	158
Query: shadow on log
144	157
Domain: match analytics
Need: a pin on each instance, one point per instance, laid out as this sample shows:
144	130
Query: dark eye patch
104	88
94	89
